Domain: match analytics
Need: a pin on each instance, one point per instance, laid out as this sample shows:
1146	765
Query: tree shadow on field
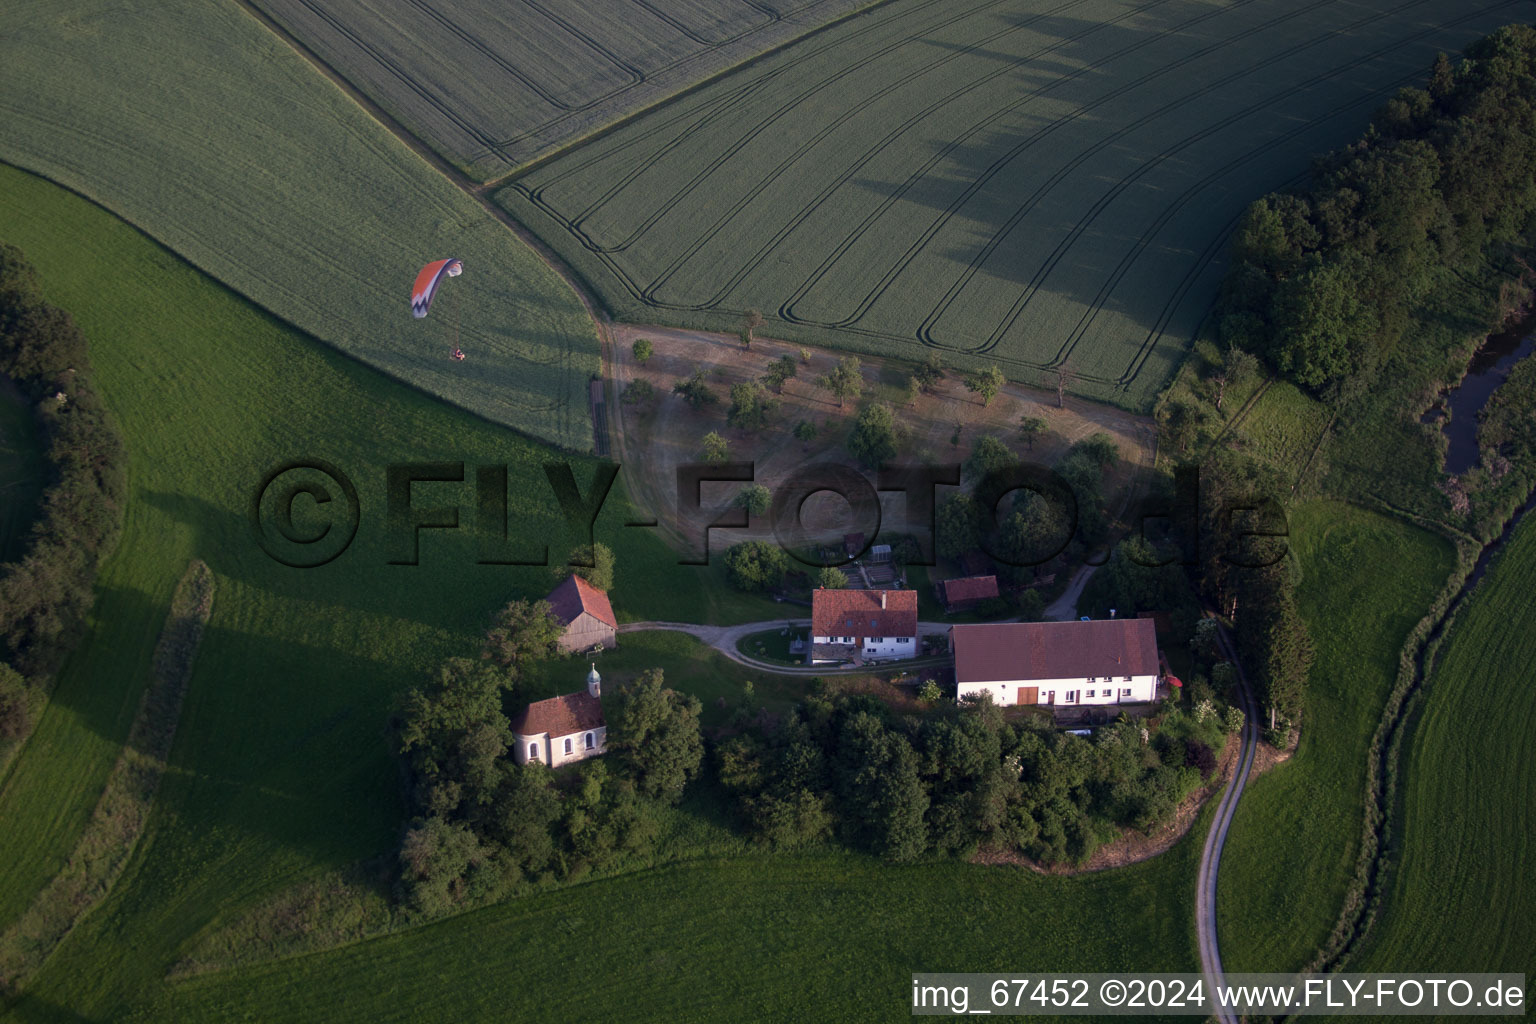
31	1009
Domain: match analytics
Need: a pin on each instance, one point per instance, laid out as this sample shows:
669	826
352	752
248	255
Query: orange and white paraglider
424	291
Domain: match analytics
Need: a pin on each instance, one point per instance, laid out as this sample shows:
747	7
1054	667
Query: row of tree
46	593
481	825
1324	281
958	780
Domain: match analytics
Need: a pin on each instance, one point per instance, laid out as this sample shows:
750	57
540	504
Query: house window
1125	692
1090	693
877	639
1070	698
1127	679
873	623
903	639
591	741
533	751
567	744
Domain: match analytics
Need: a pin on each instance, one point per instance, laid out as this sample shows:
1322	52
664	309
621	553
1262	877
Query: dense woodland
44	596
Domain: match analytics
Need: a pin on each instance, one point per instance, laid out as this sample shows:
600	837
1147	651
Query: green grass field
23	469
281	767
1367	580
1283	427
491	88
1461	898
198	125
1015	181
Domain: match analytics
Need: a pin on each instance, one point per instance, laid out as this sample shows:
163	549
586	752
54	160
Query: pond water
1490	367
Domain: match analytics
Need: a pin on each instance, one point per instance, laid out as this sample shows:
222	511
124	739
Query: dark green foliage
637	391
442	867
986	382
1132	582
1273	641
930	373
752	406
1323	283
45	595
755	565
845	381
959	523
755	498
453	735
655	736
695	390
643	350
988	455
779	371
1031	429
873	438
805	431
522	631
15	716
594	563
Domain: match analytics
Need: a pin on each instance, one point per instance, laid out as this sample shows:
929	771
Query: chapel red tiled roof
575	595
1054	650
864	613
560	716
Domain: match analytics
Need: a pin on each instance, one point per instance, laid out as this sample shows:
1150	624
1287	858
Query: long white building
1065	664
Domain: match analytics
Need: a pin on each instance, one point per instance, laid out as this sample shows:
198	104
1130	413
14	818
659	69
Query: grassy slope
1367	581
281	765
22	468
1461	897
198	125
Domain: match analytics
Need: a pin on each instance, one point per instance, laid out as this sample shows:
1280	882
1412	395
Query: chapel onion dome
594	681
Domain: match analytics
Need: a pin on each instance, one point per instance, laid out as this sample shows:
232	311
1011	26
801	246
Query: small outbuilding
585	613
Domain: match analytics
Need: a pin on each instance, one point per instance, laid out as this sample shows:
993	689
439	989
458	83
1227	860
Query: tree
805	356
988	455
15	716
1065	378
751	406
527	631
914	389
930	373
750	322
1098	448
779	371
695	390
958	525
986	383
805	431
1234	369
592	562
441	866
845	381
642	349
832	578
755	565
879	792
637	391
520	816
873	438
1031	428
755	498
655	736
716	448
453	735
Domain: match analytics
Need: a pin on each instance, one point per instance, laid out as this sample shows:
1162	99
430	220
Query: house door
1029	695
1050	697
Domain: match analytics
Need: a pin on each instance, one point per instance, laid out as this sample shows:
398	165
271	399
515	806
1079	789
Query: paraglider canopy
425	288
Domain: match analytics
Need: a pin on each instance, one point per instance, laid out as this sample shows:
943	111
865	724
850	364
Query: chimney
882	600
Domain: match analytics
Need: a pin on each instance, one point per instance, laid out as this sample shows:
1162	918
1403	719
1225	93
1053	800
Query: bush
755	565
642	349
637	391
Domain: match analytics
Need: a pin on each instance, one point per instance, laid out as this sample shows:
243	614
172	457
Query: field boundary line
118	821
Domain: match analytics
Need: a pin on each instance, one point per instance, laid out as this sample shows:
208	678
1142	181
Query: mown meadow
282	771
1046	187
1459	897
1366	580
198	125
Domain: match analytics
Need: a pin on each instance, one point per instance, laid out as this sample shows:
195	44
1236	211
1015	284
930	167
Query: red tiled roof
969	588
575	595
860	613
1054	650
560	716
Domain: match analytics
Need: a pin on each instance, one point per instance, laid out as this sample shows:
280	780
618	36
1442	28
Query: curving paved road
1210	857
725	638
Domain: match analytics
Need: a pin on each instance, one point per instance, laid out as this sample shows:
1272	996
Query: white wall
552	748
1055	691
888	647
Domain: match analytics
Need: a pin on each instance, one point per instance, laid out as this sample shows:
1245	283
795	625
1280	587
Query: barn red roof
560	716
864	613
575	595
1054	650
969	588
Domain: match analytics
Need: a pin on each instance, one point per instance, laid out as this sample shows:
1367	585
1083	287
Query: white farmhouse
1066	664
562	729
871	624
